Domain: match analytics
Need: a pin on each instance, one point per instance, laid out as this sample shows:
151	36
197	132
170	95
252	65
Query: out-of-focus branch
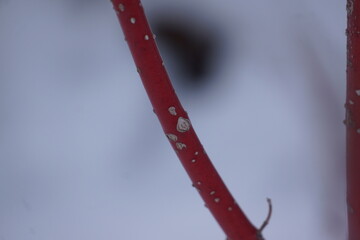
352	120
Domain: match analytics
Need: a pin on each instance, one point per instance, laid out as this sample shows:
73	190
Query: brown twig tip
267	220
265	223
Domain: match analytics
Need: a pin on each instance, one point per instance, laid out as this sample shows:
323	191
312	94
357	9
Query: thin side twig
267	220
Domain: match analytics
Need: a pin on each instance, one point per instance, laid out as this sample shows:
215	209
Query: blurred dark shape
193	49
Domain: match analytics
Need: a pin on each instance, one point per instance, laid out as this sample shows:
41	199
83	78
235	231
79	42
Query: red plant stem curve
176	125
353	119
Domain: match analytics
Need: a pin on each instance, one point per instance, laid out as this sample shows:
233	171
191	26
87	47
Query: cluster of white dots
194	160
133	20
212	193
183	125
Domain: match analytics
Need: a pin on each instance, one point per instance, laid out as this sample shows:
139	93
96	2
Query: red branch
353	119
176	125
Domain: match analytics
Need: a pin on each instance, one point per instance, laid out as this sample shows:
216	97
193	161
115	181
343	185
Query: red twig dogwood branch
353	118
176	124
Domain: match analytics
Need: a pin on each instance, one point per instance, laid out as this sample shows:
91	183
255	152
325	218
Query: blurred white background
82	156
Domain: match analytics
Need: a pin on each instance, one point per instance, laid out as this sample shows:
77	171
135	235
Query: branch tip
267	220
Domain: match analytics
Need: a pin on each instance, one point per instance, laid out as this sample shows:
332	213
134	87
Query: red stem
353	119
176	125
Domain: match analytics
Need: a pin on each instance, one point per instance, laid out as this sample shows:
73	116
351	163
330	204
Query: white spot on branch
172	111
172	137
121	7
183	125
180	145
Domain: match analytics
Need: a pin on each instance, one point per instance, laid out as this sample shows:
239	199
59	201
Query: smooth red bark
176	125
353	119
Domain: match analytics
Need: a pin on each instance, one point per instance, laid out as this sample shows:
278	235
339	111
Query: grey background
82	156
